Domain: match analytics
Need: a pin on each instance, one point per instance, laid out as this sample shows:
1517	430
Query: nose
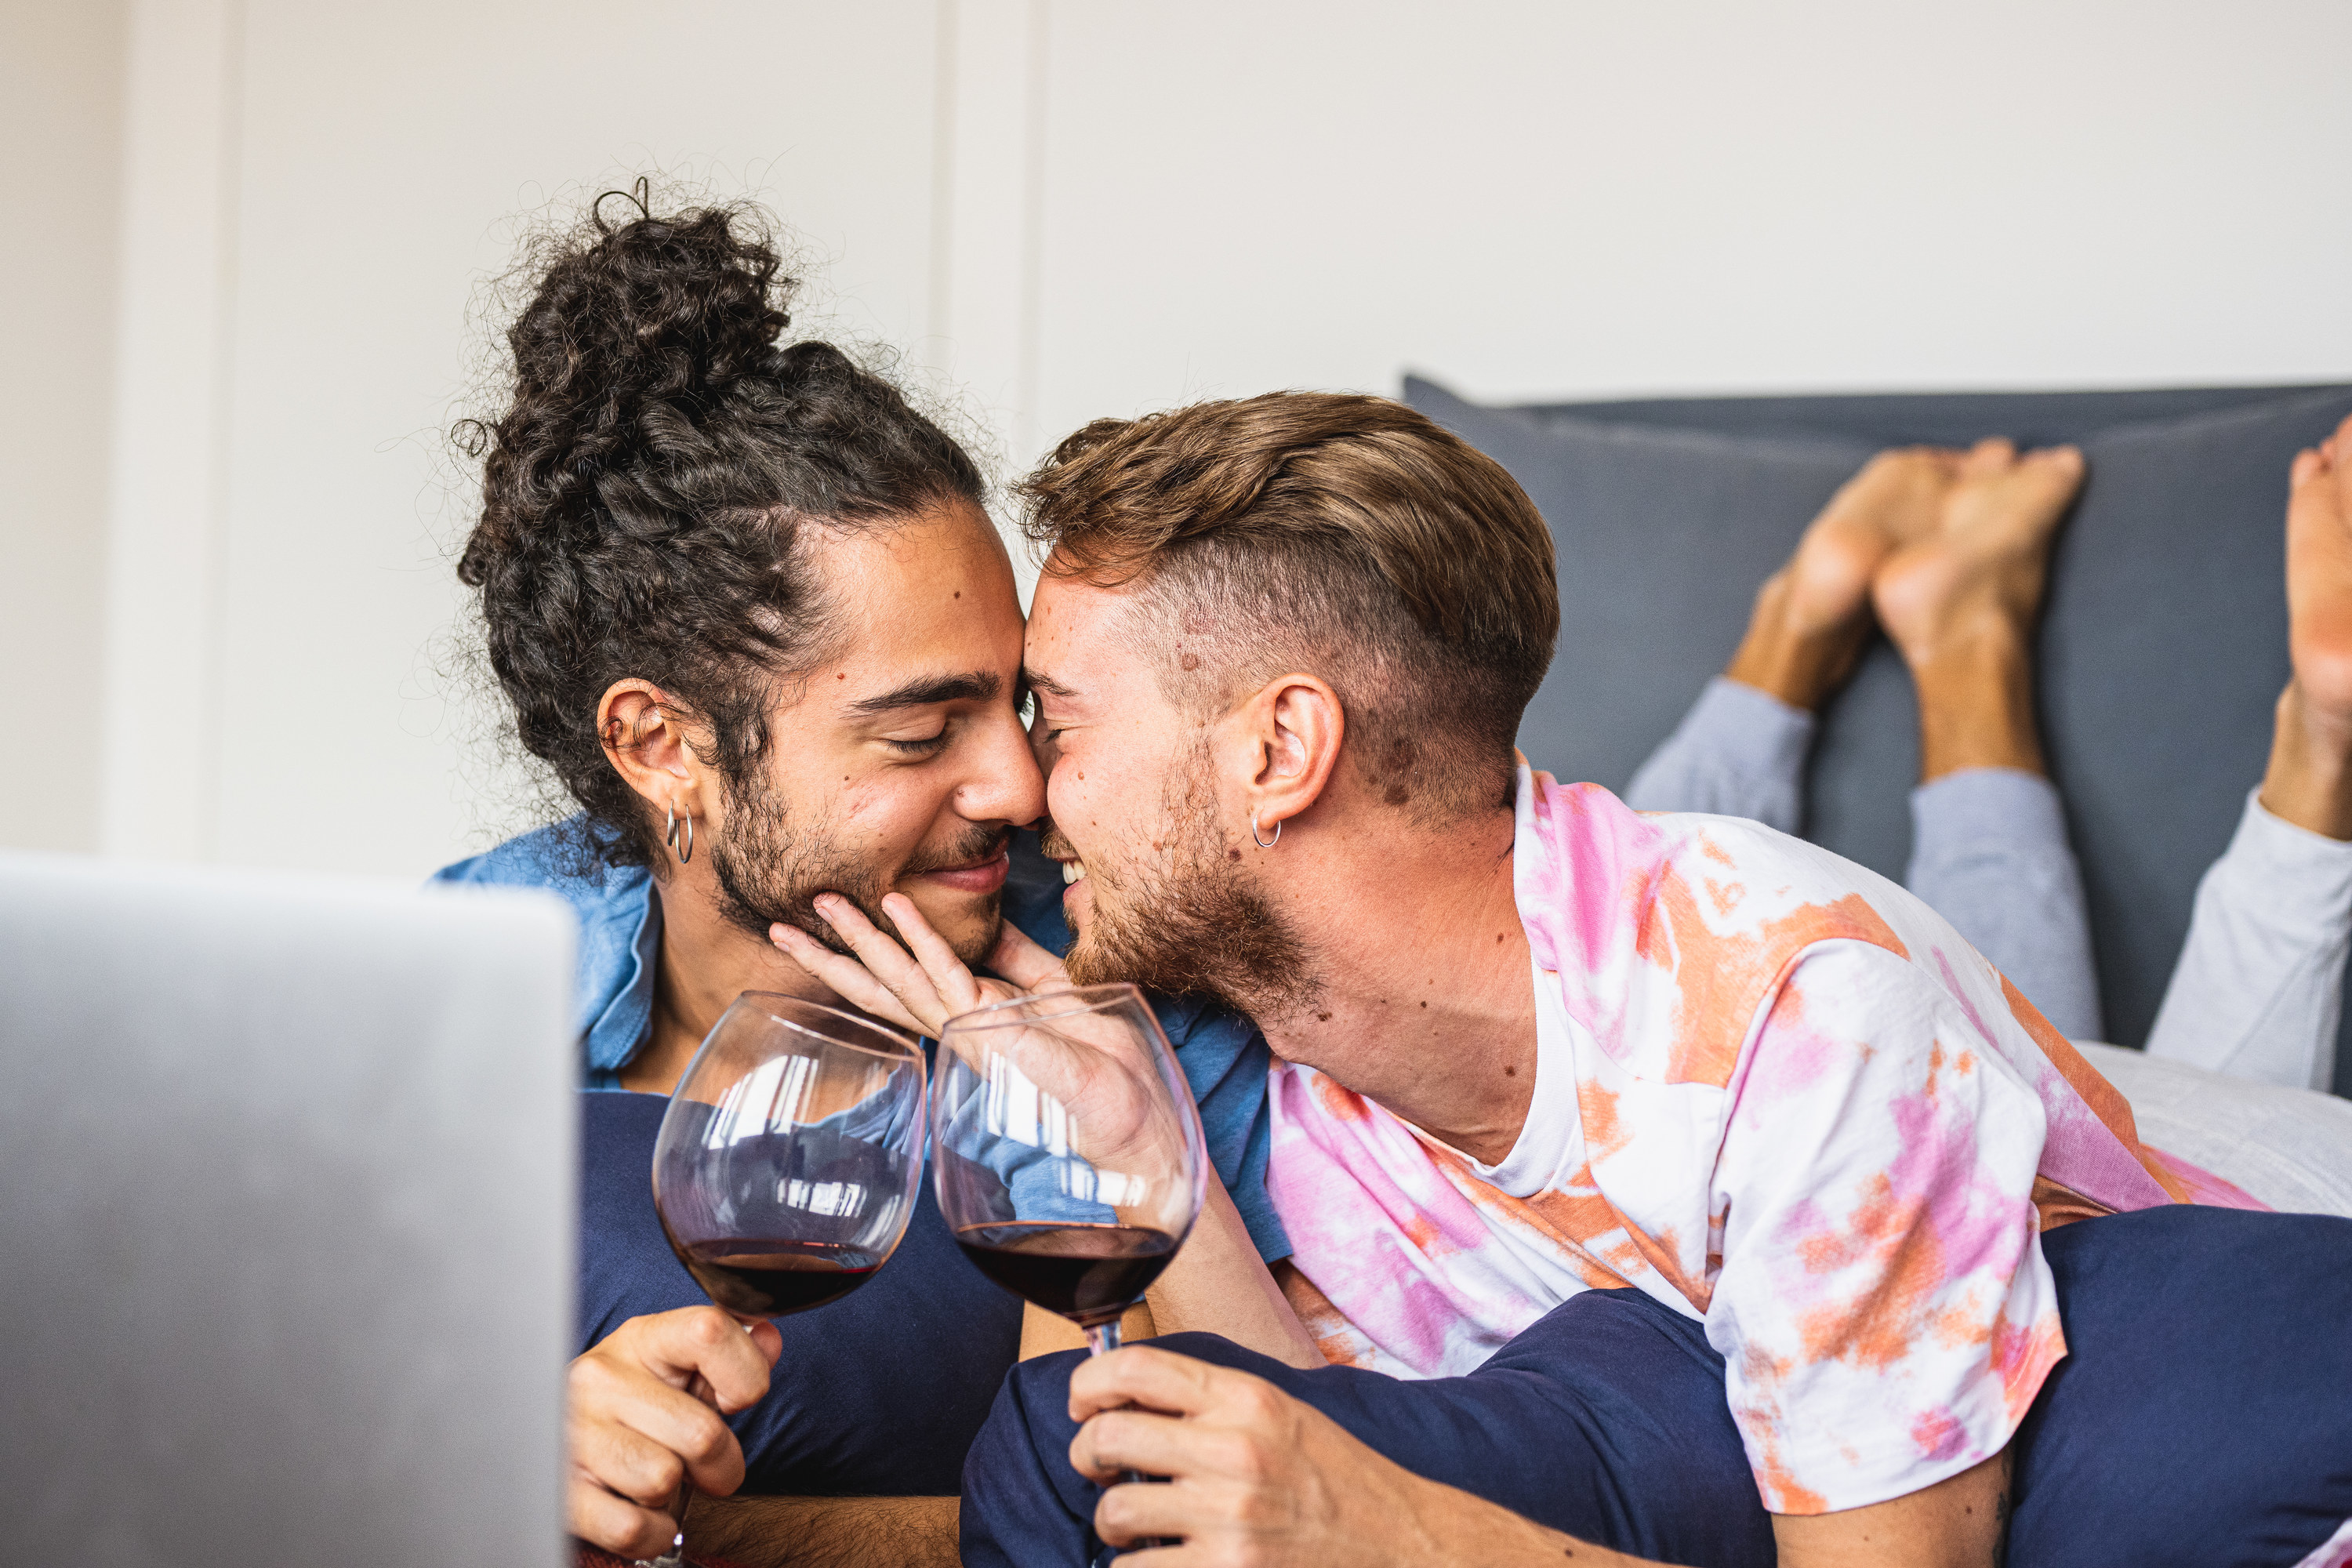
1004	785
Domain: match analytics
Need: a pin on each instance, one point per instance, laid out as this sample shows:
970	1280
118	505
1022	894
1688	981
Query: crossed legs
1948	551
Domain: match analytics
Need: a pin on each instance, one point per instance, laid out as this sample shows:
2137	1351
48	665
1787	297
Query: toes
2061	466
1989	455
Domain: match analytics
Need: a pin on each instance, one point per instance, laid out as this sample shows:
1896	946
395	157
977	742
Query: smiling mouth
980	865
984	874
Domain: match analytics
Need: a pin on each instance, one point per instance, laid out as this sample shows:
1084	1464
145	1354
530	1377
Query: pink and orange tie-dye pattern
1807	1114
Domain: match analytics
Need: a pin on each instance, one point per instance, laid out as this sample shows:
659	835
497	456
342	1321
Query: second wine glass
1066	1149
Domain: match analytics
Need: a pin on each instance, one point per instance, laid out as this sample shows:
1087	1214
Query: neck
706	961
1423	1002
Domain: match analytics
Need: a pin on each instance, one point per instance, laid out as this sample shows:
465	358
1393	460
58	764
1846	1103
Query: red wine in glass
786	1165
756	1277
1088	1273
1068	1151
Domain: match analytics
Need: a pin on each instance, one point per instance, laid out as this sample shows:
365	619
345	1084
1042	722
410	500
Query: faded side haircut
1337	535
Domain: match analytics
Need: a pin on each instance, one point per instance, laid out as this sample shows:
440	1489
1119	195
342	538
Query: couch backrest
2162	651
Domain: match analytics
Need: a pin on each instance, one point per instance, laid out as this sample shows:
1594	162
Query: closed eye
922	747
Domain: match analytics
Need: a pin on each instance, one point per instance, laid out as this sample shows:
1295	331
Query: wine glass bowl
786	1165
1068	1158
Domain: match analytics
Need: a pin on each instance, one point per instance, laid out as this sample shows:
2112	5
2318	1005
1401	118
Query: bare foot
1960	605
1812	616
2310	779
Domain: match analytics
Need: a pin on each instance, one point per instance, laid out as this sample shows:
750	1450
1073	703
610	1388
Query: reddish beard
1190	922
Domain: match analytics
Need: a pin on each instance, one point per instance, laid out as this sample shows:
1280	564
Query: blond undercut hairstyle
1336	535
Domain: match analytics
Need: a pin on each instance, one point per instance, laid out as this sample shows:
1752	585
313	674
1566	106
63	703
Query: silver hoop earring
1261	843
669	834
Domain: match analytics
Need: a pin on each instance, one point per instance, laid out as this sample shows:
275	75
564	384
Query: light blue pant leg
1989	853
2258	990
1738	753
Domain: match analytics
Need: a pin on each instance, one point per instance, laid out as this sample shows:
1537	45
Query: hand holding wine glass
1068	1156
786	1166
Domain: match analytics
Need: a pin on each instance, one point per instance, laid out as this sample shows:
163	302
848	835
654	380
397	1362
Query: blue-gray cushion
2162	651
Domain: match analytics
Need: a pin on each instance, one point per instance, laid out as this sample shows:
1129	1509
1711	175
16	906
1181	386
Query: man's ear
1296	726
646	741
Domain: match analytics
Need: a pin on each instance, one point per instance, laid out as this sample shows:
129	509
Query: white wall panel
174	339
61	118
382	151
1536	199
1063	209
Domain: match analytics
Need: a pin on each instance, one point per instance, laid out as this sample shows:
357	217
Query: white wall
1069	209
60	123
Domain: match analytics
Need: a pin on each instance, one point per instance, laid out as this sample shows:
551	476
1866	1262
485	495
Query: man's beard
768	874
1192	923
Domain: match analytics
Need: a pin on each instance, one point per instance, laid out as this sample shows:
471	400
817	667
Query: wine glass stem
676	1556
1101	1340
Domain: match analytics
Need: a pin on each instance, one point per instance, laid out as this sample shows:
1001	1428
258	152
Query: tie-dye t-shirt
1773	1090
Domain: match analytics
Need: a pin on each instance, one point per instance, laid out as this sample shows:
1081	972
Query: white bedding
2291	1148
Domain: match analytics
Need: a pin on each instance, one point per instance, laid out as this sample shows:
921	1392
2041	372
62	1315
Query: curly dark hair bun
644	493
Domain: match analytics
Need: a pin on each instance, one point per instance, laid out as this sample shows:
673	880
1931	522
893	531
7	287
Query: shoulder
563	858
1670	932
1685	884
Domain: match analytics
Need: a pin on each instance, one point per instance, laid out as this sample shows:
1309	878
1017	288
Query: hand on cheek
917	987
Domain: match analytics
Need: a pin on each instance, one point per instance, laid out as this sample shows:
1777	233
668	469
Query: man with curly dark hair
749	611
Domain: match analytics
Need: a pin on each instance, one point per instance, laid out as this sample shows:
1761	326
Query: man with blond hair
1576	1110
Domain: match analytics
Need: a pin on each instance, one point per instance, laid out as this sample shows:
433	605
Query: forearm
1459	1531
1044	1332
1961	1521
826	1531
1219	1285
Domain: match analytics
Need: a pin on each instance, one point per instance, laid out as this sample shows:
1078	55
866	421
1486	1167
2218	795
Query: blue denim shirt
1223	1056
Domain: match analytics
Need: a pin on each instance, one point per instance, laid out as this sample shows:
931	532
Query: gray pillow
2162	651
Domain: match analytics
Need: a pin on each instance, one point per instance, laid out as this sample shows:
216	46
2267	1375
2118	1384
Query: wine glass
786	1165
1069	1159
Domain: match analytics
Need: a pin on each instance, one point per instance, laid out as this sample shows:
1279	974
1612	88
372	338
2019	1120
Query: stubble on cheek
770	867
1182	917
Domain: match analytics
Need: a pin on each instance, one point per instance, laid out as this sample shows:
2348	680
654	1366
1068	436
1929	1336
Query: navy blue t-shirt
876	1395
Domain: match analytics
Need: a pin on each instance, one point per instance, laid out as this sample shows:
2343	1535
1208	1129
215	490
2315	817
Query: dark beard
768	875
1191	925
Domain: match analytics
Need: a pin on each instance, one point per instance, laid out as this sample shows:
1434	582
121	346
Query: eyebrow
924	692
1040	681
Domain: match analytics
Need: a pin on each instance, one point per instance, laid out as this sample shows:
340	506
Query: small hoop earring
669	834
1261	843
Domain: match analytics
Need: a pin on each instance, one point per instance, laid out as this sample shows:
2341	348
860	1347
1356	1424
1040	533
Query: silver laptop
286	1219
